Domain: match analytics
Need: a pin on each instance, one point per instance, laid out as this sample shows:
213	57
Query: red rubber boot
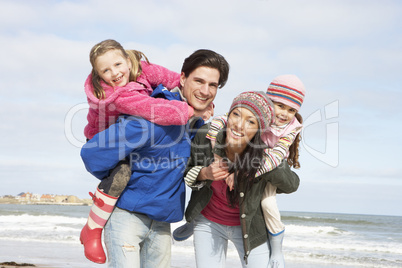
91	234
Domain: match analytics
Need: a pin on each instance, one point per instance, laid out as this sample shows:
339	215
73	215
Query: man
138	231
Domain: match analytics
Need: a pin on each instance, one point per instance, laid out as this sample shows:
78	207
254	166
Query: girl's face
283	113
241	127
113	68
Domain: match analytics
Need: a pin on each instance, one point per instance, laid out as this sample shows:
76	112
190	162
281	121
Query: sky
347	53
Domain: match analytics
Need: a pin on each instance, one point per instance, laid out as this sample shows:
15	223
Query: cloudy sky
347	53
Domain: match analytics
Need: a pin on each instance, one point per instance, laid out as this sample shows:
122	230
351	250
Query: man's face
200	87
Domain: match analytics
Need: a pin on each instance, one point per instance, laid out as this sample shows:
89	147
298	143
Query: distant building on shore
30	198
47	198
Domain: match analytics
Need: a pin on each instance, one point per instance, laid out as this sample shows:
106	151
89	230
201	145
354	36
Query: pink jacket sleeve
156	74
273	157
157	110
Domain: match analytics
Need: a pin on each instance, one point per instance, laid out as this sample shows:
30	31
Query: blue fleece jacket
158	157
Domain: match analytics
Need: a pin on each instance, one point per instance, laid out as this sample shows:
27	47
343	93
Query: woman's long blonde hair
101	48
293	159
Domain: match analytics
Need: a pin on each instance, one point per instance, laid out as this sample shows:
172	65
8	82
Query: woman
221	214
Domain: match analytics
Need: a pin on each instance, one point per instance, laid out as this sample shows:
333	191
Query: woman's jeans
211	244
135	240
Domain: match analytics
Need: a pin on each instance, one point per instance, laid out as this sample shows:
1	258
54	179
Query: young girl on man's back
121	83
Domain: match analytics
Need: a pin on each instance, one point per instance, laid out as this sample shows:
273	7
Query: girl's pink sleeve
156	74
157	110
273	157
217	124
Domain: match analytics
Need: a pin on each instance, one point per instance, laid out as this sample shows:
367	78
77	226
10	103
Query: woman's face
241	127
283	113
113	68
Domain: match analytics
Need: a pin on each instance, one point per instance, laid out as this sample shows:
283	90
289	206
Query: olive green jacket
251	216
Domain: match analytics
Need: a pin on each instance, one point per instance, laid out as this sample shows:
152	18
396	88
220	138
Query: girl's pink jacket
272	136
134	99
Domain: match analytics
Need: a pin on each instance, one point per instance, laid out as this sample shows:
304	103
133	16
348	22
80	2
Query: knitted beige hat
259	104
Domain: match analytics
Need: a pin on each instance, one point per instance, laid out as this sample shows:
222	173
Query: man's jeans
135	240
211	244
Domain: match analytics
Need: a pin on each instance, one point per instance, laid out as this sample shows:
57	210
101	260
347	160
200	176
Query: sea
48	236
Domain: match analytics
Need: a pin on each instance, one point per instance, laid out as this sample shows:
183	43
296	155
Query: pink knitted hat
259	104
287	89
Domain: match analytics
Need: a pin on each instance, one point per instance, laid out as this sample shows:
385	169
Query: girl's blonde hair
101	48
293	159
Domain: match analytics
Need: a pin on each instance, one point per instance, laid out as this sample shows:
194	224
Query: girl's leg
117	180
183	232
270	210
104	198
276	229
210	243
276	259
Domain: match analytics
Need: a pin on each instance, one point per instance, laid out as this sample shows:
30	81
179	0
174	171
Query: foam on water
46	228
310	238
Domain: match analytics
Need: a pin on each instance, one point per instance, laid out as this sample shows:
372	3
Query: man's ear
182	79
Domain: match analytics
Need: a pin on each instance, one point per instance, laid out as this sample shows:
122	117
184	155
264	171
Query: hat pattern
259	104
287	89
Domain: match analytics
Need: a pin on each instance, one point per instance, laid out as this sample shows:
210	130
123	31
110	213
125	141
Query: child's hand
209	112
212	143
206	113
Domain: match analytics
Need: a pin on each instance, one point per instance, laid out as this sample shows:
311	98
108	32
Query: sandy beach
289	265
46	255
13	264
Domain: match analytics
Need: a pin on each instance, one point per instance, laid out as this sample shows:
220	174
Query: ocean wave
314	230
67	239
326	220
26	218
27	227
341	245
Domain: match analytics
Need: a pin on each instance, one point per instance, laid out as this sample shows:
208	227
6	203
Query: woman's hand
216	171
